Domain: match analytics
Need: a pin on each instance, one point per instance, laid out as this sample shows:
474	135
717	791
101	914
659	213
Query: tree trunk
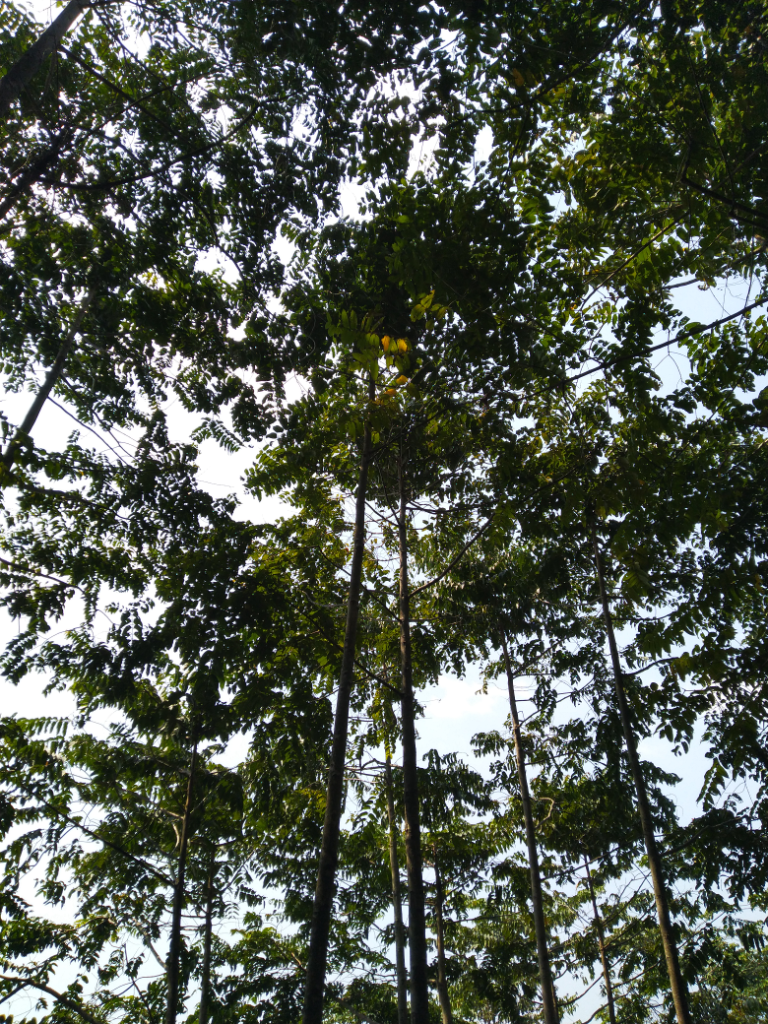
601	941
442	981
417	934
26	67
545	971
12	451
678	988
35	170
174	949
329	851
205	984
397	902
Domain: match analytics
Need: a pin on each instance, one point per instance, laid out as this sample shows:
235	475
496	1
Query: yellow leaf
402	345
385	342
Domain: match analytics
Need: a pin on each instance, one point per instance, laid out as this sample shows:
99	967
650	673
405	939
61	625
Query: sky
454	710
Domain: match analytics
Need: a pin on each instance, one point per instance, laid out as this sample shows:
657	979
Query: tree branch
688	333
58	996
26	67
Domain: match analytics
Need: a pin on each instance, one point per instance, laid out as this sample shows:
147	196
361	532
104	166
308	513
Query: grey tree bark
11	452
601	942
205	983
417	934
397	900
548	997
669	944
174	949
322	908
26	67
442	981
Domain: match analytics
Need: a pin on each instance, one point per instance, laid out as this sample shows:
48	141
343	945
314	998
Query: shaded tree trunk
397	901
27	66
677	985
545	971
205	984
417	934
601	942
442	981
329	852
36	169
174	949
55	372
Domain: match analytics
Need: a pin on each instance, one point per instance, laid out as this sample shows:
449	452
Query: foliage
498	312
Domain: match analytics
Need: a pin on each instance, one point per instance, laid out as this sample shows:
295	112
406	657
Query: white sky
454	709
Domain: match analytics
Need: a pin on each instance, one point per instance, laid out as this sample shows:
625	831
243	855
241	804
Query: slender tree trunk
417	933
34	171
174	949
27	66
12	451
329	851
442	981
677	985
397	901
601	942
545	971
205	984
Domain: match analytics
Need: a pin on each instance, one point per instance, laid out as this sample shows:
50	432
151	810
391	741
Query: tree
477	356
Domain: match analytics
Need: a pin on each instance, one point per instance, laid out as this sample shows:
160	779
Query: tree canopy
481	289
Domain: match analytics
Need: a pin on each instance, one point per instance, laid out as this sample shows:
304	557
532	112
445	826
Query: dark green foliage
514	314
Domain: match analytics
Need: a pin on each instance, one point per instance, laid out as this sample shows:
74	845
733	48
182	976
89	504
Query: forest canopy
477	290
